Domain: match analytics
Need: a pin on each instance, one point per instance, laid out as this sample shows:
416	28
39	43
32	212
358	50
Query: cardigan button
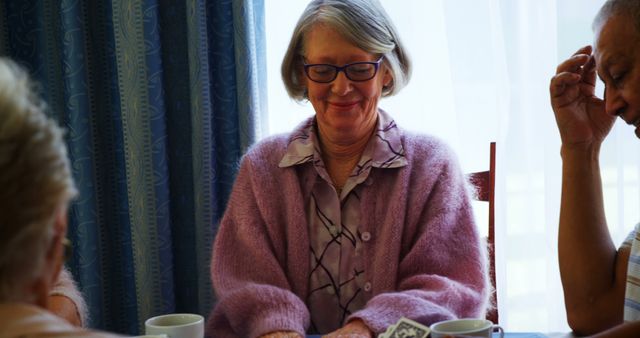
367	287
365	236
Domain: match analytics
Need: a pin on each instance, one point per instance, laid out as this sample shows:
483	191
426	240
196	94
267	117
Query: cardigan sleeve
442	270
253	292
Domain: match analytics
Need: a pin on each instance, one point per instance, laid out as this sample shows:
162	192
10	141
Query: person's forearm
626	330
585	249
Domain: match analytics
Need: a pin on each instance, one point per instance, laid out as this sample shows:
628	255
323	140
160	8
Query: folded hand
282	334
353	329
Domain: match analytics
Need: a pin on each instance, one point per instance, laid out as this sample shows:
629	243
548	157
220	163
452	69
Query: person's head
36	183
617	57
340	32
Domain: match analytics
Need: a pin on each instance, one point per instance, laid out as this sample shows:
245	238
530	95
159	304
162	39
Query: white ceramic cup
465	328
176	325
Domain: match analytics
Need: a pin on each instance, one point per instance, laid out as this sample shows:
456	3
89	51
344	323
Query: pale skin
346	110
592	270
354	329
59	305
64	308
346	113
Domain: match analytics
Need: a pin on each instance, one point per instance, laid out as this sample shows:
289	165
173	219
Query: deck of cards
406	328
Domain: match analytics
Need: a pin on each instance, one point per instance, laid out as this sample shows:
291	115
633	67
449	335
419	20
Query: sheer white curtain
482	70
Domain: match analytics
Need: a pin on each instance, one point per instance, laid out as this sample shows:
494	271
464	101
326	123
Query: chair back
484	183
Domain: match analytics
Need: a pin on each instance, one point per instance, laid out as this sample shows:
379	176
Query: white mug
176	325
465	328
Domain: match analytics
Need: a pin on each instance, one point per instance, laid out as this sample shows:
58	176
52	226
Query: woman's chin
343	123
345	130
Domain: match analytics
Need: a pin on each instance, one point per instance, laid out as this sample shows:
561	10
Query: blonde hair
35	177
362	22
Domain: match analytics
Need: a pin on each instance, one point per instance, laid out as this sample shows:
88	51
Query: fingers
575	75
589	71
560	82
579	59
282	334
584	50
573	64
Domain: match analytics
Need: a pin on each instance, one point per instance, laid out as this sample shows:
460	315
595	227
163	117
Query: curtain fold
160	100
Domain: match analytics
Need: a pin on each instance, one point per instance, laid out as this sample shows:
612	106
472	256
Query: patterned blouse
336	274
632	290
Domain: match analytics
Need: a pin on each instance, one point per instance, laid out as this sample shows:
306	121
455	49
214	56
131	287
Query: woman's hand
282	334
353	329
580	115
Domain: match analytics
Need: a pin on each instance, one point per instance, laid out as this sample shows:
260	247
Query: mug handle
499	329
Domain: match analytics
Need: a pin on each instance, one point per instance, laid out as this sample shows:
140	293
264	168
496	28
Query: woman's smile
343	105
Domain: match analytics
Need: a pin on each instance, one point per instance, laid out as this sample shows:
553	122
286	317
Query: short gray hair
630	8
36	181
362	22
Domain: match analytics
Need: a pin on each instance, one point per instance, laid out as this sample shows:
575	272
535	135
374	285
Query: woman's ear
61	219
387	79
53	261
302	79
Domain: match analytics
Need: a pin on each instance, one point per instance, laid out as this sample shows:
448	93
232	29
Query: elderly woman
349	223
36	188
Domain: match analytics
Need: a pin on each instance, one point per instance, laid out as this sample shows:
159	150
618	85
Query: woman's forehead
325	42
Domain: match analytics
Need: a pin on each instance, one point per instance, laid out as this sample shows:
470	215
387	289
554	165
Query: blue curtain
160	99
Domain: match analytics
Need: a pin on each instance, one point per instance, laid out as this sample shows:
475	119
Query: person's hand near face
580	115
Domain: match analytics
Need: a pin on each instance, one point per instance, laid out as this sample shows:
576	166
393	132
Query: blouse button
366	236
367	286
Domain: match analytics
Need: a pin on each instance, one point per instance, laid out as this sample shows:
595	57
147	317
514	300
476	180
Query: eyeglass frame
68	249
343	68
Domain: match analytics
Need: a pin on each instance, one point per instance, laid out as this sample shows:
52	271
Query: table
515	335
536	335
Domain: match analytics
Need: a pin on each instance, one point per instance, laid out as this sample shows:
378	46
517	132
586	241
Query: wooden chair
484	183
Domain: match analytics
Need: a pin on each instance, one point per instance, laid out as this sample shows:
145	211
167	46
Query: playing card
386	333
407	328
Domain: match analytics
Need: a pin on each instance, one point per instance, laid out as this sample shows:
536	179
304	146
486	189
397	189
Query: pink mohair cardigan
425	260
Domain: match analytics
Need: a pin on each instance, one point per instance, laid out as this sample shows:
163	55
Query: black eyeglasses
357	71
68	249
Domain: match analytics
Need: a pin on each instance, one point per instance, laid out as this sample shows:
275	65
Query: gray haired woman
349	223
36	188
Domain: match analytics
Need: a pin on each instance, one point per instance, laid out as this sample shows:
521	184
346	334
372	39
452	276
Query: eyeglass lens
355	72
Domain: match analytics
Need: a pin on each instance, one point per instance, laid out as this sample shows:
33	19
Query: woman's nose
341	85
